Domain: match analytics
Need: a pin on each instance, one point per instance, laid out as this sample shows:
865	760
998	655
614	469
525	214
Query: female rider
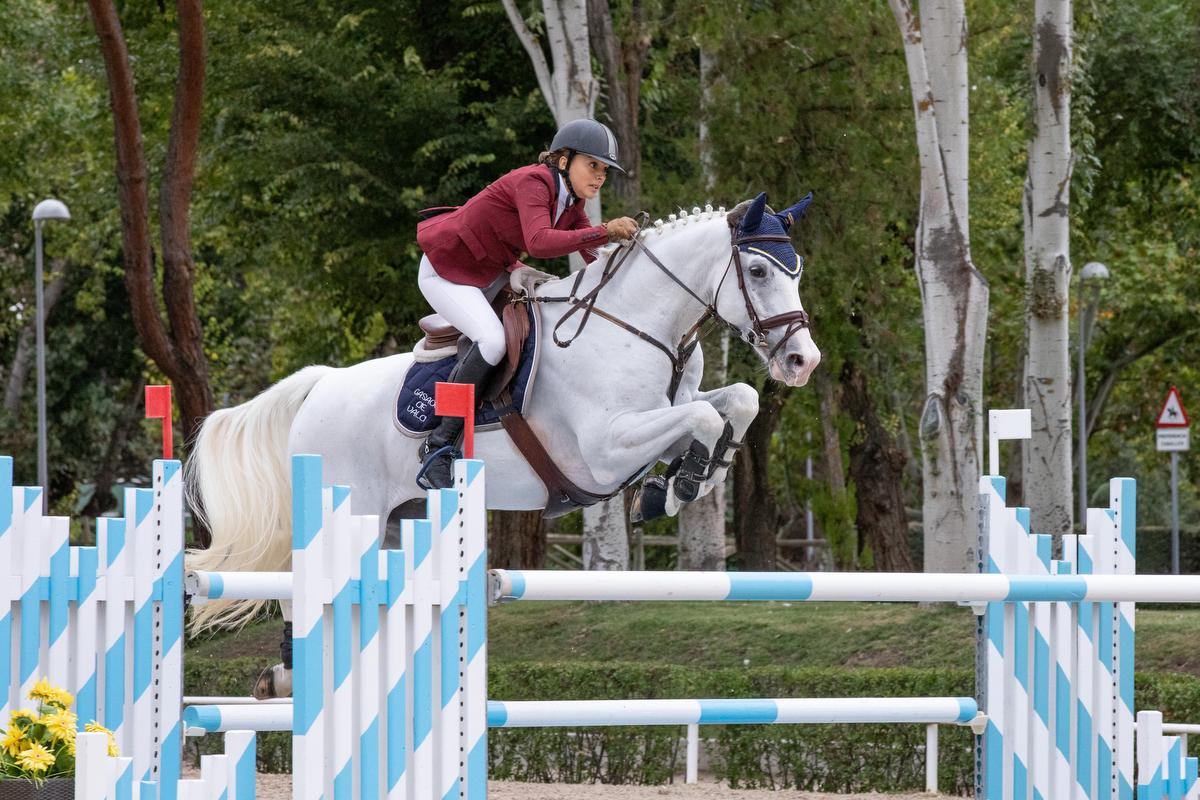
539	210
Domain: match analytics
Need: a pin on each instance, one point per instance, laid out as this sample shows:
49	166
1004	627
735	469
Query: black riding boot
439	450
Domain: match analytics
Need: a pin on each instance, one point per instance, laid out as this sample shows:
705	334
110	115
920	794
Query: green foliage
328	125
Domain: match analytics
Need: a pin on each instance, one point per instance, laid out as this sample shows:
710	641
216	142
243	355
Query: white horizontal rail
199	720
862	586
580	713
238	585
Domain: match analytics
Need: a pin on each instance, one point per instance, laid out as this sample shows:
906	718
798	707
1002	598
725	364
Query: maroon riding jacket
476	242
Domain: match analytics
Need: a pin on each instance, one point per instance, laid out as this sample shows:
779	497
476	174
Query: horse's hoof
686	488
650	501
274	681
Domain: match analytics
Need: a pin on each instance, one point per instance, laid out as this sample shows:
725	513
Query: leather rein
795	321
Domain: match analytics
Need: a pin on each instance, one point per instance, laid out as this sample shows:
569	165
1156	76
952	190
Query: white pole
693	753
931	758
43	480
1174	513
826	710
808	512
891	587
1081	385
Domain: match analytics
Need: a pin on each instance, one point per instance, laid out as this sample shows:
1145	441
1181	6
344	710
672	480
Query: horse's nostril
795	361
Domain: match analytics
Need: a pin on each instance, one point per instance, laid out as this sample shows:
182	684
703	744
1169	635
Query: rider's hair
551	157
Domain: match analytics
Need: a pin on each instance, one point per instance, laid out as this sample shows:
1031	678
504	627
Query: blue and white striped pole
899	587
469	481
310	755
584	713
168	492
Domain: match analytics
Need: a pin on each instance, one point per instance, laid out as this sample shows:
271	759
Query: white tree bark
570	90
1047	459
566	79
954	294
702	522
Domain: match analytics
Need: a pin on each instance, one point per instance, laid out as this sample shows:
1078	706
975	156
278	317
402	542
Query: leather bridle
794	321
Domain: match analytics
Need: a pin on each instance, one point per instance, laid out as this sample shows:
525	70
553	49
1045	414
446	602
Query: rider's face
586	173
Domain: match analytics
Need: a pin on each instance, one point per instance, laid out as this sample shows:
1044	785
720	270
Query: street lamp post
1093	272
47	209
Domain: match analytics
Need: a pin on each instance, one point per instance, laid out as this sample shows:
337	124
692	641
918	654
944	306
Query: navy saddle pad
415	413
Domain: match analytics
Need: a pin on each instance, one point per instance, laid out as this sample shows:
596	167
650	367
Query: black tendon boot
439	451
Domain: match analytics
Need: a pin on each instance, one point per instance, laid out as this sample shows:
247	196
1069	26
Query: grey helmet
591	138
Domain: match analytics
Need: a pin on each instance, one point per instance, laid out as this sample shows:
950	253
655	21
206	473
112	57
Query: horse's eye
758	271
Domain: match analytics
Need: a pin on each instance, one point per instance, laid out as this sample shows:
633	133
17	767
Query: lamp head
1094	271
51	209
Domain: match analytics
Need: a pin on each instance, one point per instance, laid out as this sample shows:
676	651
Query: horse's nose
795	361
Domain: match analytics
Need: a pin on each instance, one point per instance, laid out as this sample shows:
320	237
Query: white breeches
466	308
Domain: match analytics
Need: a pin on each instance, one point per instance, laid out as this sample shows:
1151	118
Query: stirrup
432	456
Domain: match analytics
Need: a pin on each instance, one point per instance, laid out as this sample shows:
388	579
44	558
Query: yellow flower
92	727
22	715
13	741
41	690
35	758
60	724
51	695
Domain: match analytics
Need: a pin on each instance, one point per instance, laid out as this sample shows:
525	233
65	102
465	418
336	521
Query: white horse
600	406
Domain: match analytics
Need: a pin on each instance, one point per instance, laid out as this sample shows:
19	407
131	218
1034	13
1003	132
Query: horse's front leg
738	405
691	429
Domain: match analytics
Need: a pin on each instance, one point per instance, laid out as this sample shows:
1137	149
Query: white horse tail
239	486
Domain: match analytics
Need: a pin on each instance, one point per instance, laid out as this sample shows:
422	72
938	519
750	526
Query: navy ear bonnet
760	221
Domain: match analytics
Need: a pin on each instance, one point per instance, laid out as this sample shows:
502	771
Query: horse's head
762	298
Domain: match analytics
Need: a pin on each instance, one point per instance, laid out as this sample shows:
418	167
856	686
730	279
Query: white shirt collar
564	197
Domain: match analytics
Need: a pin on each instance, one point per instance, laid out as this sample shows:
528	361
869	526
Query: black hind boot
440	449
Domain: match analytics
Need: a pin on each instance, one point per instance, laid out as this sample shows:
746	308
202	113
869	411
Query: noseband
795	321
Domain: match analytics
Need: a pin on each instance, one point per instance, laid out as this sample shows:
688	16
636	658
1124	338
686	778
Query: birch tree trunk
954	294
569	89
1047	456
622	58
566	80
702	523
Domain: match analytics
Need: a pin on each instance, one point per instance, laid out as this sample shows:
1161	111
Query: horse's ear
754	214
789	215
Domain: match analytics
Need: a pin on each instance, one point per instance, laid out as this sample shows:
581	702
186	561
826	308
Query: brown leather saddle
563	496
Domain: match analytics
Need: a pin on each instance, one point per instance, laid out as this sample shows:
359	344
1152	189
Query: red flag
158	406
458	400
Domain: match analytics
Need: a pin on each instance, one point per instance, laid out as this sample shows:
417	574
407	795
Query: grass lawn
756	634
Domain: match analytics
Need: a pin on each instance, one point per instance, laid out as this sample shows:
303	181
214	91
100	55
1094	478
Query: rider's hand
621	228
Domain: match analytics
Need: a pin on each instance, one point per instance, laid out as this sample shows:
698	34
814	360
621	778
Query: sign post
1174	436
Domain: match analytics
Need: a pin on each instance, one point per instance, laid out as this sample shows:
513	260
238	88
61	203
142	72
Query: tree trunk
954	294
838	519
877	470
517	540
1047	455
755	510
27	342
606	536
623	60
708	74
702	522
570	90
178	351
